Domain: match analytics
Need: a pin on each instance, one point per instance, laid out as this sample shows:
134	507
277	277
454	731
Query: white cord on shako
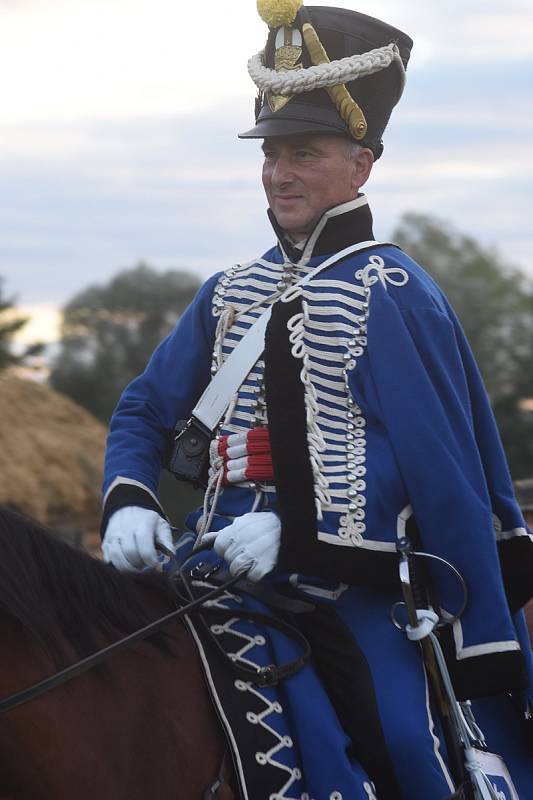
344	70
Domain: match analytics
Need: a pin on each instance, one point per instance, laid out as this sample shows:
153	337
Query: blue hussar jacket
379	424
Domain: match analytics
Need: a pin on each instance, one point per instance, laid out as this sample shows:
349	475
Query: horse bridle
261	676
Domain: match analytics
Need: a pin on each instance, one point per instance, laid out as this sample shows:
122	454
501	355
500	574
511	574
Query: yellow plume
278	12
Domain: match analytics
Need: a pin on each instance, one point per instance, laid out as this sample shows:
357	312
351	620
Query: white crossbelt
213	403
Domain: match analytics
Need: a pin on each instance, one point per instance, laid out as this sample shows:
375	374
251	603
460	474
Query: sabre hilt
412	594
416	592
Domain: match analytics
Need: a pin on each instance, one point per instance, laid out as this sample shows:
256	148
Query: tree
10	323
109	332
495	305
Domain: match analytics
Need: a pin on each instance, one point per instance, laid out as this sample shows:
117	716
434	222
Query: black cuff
354	566
516	559
485	675
126	494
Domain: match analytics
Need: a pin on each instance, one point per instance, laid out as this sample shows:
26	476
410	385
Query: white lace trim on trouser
271	707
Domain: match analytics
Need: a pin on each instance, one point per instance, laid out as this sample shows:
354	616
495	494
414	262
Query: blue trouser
356	722
377	688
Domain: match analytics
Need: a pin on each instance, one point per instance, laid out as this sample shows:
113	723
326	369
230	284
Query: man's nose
282	172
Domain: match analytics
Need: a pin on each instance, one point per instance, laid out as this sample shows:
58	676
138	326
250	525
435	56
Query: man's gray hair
352	149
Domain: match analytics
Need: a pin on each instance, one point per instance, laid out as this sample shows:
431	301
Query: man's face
305	175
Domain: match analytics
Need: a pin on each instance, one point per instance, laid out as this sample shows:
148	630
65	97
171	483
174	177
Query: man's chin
296	226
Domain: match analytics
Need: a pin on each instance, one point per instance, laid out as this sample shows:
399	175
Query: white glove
130	537
250	544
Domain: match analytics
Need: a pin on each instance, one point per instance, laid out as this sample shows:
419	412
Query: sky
118	125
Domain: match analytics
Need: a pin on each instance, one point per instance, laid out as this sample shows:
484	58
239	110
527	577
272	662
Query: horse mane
65	597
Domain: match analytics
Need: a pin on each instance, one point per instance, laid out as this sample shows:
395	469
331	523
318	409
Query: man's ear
363	161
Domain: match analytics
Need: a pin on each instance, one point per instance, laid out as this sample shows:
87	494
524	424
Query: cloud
74	60
81	59
118	135
165	191
455	32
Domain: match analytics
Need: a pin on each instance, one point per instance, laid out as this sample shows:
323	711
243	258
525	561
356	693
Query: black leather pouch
189	460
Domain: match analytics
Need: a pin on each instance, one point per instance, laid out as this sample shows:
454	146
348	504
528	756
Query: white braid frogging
333	338
324	434
315	439
323	76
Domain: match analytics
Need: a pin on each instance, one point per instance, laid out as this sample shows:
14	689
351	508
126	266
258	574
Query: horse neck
141	726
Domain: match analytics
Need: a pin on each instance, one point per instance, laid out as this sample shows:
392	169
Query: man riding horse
357	429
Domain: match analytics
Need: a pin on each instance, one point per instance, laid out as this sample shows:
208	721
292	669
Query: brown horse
139	726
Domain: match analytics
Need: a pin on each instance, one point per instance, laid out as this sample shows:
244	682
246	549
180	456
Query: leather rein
262	676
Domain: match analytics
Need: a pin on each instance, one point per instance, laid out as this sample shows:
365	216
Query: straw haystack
51	455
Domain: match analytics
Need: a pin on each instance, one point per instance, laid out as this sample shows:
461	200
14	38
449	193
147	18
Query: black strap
263	676
271	674
86	664
274	599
